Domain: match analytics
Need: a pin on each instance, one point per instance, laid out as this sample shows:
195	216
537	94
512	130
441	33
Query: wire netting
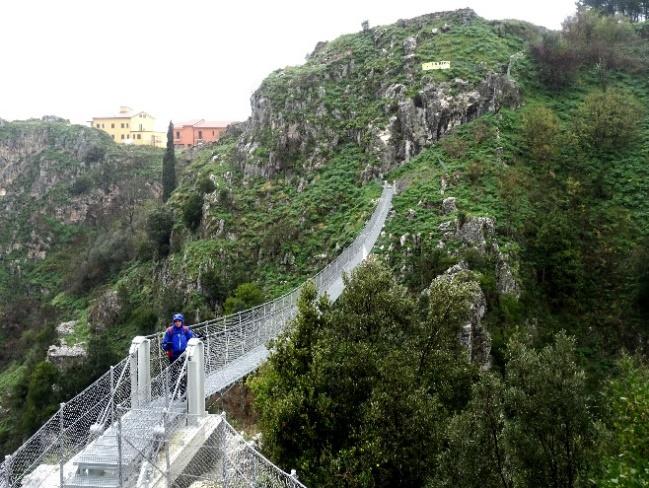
234	345
222	459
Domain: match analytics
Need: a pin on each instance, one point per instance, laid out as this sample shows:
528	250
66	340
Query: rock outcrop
418	121
105	311
472	335
62	354
475	232
301	115
69	175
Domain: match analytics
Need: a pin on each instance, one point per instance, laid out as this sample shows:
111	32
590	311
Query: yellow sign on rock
436	65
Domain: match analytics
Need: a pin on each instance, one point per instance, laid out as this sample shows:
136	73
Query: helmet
178	316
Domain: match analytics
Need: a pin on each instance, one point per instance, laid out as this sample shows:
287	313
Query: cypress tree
169	166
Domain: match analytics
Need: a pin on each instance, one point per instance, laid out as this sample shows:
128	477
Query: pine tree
169	166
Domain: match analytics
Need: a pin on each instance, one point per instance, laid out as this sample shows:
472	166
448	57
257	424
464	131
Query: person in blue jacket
176	337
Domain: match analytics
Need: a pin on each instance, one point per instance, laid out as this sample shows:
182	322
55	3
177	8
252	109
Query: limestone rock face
297	116
66	328
105	311
506	282
472	335
65	356
62	354
418	121
478	233
449	205
475	232
63	169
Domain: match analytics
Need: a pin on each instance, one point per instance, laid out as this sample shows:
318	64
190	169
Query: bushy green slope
279	196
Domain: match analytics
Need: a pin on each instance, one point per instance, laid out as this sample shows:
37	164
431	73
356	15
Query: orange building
188	134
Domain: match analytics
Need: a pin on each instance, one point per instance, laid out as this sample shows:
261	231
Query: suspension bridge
144	423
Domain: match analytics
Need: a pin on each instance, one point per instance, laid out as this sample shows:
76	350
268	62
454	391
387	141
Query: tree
534	428
344	396
169	166
636	10
626	400
41	401
159	225
245	296
542	130
550	427
558	60
476	455
608	120
193	211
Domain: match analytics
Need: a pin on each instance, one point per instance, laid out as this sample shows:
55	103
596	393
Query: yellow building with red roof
131	127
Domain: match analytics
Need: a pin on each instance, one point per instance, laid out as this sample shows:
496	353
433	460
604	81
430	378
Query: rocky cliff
369	89
55	174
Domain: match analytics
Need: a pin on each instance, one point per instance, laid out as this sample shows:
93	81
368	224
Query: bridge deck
220	379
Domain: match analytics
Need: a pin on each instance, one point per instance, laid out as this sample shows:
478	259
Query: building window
139	136
112	126
122	125
127	125
122	136
102	126
200	134
177	134
212	132
128	136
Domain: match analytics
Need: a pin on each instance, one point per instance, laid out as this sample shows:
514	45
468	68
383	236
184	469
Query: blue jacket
175	340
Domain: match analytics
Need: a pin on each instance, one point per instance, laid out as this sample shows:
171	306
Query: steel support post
61	443
112	394
140	358
195	380
120	472
165	423
7	471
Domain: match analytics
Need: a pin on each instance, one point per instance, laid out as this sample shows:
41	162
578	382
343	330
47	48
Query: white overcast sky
185	59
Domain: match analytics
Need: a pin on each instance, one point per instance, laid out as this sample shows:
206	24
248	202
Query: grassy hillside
553	158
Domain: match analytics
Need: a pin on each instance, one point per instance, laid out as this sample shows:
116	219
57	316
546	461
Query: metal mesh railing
70	428
223	458
234	346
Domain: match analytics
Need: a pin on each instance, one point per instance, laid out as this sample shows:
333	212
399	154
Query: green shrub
608	120
41	400
206	185
557	60
159	225
602	39
541	130
213	287
225	198
103	260
81	185
144	320
95	153
193	211
626	449
245	296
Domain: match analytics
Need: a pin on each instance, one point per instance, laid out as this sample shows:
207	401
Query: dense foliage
357	394
376	390
634	9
